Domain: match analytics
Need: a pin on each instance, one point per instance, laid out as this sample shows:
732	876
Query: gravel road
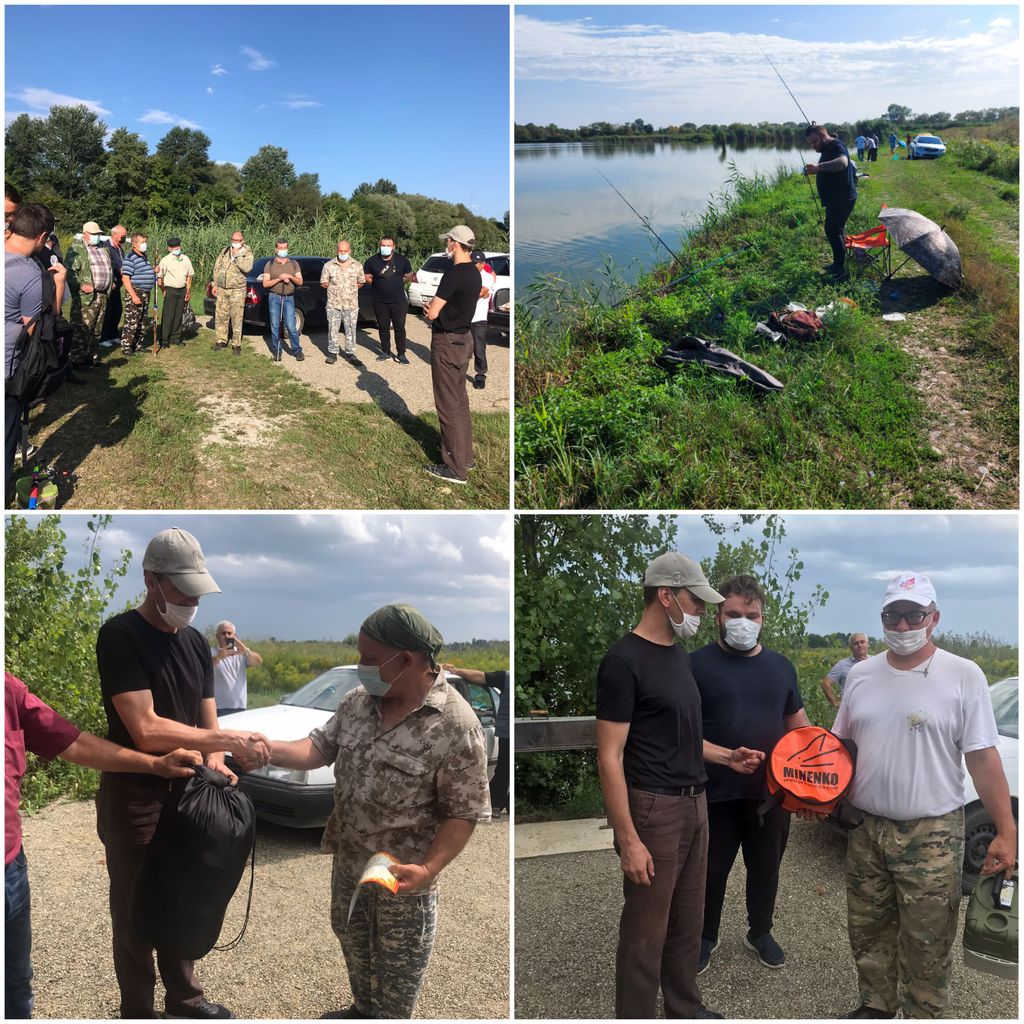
567	913
396	388
289	965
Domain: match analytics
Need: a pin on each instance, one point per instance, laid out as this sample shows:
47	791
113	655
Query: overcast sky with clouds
352	92
316	576
971	558
671	64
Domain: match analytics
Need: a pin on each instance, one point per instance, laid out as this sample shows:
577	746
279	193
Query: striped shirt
138	269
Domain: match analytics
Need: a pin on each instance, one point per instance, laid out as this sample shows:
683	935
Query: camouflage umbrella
925	243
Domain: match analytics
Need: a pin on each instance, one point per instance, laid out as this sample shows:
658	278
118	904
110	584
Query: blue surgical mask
369	676
385	250
343	256
282	253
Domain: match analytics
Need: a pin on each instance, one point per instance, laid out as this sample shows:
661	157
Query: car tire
979	830
300	320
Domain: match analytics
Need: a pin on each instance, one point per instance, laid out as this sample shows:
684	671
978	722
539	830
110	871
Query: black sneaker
768	951
443	472
352	1013
384	357
707	947
299	356
703	1013
331	359
237	350
219	346
865	1012
403	359
480	383
204	1011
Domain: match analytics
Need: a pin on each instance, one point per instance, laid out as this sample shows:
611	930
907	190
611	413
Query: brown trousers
449	361
127	810
659	934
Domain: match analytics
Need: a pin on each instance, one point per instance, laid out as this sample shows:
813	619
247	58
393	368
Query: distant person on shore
174	274
837	189
231	658
872	147
832	684
860	142
893	140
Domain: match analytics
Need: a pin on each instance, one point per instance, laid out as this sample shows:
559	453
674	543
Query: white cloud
218	69
442	547
209	90
13	115
43	99
252	566
501	543
257	62
232	163
1000	23
298	102
163	117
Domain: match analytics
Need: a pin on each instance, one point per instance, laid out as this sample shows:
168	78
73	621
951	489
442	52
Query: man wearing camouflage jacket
410	768
229	272
90	278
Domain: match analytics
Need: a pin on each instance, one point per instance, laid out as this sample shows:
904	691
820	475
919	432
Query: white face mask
343	256
742	633
143	246
369	676
282	253
177	615
688	627
236	245
909	642
175	252
385	250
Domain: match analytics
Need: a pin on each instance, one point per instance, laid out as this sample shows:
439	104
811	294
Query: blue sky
317	576
353	93
577	64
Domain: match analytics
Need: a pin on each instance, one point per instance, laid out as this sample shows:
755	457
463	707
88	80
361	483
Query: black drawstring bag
193	865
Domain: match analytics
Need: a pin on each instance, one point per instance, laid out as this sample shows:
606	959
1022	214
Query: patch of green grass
599	425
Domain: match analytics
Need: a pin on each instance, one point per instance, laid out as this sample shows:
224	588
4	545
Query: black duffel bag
193	865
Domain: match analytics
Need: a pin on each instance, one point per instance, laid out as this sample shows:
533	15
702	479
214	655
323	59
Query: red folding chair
872	249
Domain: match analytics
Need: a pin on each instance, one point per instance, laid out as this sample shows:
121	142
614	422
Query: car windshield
500	265
436	265
1004	705
931	140
325	692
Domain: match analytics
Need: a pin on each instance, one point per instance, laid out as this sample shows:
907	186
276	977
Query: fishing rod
646	221
814	192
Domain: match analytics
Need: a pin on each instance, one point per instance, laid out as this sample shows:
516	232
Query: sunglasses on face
914	618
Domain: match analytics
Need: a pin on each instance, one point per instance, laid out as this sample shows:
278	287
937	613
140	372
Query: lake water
567	219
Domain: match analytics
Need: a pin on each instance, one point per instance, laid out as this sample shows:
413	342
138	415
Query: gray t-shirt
840	670
23	297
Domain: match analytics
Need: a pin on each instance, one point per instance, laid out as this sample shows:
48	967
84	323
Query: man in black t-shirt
451	346
750	696
386	273
836	178
156	678
650	759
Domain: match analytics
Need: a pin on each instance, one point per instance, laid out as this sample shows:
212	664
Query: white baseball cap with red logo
910	586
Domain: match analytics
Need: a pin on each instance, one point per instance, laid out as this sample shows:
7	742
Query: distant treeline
896	117
67	161
289	664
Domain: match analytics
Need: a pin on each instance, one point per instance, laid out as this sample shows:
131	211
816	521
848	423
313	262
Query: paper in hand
376	869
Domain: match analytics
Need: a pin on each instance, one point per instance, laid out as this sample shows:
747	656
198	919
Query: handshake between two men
250	750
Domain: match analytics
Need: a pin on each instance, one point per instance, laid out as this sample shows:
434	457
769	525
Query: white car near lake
304	799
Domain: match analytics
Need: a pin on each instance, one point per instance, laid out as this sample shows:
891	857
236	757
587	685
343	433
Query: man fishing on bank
837	189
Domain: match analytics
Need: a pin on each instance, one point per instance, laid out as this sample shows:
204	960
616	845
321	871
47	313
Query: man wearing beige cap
451	312
917	714
156	678
90	276
650	759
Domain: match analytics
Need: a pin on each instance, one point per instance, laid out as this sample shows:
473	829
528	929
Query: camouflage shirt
231	267
343	281
394	786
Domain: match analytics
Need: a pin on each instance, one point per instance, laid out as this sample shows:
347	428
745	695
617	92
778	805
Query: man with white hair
832	684
917	714
231	658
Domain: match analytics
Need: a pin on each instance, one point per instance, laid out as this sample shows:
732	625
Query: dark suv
310	298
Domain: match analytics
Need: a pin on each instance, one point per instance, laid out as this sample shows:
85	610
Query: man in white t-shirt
231	658
916	713
478	328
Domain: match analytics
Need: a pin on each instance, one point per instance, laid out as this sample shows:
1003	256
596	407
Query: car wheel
979	830
300	320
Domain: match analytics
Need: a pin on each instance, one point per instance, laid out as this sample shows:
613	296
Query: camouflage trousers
229	313
337	318
87	321
133	333
387	945
902	897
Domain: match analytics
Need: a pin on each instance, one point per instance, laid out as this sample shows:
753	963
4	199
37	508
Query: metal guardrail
545	734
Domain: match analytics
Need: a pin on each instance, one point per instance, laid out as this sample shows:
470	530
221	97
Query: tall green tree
121	185
896	113
268	169
24	142
71	162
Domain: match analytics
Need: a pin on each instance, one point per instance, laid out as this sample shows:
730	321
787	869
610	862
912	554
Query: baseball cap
176	553
91	227
460	233
910	586
477	256
673	569
173	240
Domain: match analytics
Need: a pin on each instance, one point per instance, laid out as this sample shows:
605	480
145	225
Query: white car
978	826
425	281
304	799
926	147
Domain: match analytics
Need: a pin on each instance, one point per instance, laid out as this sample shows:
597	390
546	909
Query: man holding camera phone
231	658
